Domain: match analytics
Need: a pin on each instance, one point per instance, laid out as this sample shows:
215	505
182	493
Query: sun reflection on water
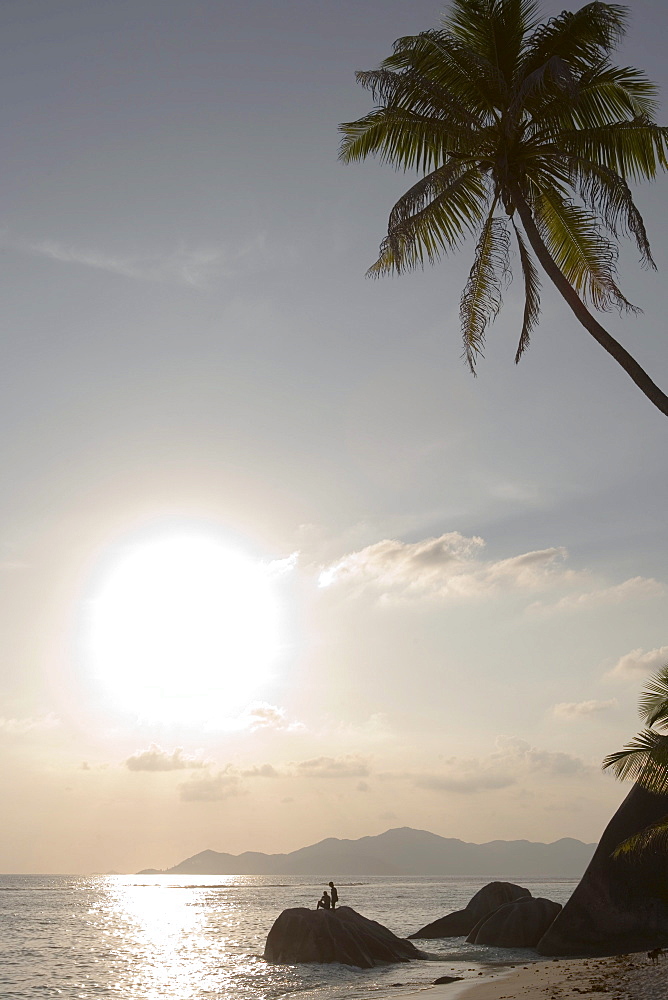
176	941
161	929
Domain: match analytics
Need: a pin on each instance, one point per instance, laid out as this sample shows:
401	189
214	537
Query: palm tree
645	760
517	127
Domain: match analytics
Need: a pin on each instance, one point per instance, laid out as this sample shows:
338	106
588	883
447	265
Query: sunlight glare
183	629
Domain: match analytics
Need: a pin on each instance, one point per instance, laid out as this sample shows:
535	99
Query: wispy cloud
638	663
185	265
550	762
211	787
348	766
580	709
157	759
449	566
513	761
473	777
29	724
261	715
637	588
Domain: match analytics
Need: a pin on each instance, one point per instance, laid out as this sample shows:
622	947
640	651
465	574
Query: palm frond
482	296
532	90
485	25
401	138
584	256
634	149
425	191
468	21
415	92
602	190
601	96
609	93
643	760
653	705
578	37
513	21
439	56
494	30
531	295
440	226
653	837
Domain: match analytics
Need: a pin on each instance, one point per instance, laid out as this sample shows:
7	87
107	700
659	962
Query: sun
183	629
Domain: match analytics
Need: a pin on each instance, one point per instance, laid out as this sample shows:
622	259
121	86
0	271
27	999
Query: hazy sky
274	566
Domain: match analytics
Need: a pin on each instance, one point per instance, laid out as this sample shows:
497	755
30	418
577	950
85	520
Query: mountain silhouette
402	851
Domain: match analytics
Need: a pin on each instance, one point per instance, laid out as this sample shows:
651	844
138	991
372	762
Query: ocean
160	937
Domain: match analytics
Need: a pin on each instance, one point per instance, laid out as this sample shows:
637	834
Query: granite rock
341	935
519	924
461	922
620	905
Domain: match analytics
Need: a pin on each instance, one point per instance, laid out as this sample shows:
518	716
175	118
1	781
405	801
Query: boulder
520	924
340	935
462	922
620	905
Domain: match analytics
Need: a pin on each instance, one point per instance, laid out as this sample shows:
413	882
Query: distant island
400	852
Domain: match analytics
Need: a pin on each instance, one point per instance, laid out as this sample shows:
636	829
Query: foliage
503	116
645	760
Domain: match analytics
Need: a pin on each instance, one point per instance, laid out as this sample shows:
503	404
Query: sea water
191	937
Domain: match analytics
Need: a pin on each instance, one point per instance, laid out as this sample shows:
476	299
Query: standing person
335	895
324	902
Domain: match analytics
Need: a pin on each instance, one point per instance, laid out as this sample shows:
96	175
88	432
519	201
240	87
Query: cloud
578	709
157	759
261	715
472	778
19	727
260	771
445	567
555	763
375	729
391	563
637	588
451	567
348	766
283	567
513	761
193	266
211	787
637	663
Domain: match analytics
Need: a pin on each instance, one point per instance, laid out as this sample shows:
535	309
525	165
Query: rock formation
341	935
620	905
519	924
462	922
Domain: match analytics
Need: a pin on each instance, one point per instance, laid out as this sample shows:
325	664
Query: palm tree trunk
601	335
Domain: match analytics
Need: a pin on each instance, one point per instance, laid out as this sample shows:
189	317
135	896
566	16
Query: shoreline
620	977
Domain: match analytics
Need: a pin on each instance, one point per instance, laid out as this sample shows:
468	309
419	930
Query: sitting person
324	902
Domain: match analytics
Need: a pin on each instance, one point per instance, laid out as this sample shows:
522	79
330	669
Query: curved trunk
601	335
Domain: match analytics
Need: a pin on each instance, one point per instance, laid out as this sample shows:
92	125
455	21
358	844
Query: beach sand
622	977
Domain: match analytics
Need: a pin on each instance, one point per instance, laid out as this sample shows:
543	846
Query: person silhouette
335	895
324	902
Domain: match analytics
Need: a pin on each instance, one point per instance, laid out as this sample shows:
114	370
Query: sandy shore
623	977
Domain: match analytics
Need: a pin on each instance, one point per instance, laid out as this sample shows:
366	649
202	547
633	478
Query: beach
620	977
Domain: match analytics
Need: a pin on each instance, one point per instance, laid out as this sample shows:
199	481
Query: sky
274	566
